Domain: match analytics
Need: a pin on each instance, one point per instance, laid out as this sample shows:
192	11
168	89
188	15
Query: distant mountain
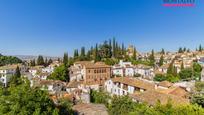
4	60
31	57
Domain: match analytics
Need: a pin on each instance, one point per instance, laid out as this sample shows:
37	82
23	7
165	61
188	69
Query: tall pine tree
40	60
65	59
161	60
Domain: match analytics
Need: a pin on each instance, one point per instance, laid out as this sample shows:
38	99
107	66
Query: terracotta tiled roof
165	66
49	82
13	66
90	64
134	82
175	90
43	74
166	84
158	72
143	66
90	109
73	84
97	65
152	97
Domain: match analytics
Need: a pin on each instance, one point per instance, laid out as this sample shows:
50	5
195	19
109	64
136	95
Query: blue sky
51	27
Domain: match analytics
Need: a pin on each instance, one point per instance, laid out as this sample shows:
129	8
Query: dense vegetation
61	72
20	99
192	73
123	105
40	61
4	60
198	94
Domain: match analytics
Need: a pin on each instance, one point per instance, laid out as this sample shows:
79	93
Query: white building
6	72
202	75
144	71
50	68
34	70
123	69
163	68
76	72
52	86
127	85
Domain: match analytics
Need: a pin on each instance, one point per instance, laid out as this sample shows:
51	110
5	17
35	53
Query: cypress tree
17	72
161	60
200	48
16	78
82	56
65	59
184	49
151	57
134	53
34	62
46	62
49	61
114	47
180	50
123	49
97	56
40	60
110	49
162	51
182	66
76	53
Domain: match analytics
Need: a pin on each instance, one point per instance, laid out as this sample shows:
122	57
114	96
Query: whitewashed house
6	72
123	69
127	85
202	75
52	86
163	68
144	71
34	70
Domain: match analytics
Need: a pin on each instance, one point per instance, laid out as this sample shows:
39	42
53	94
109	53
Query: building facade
89	72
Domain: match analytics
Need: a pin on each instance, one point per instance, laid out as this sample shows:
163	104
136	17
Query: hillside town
173	76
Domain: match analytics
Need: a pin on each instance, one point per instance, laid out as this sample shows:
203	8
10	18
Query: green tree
114	47
83	53
172	78
60	73
182	66
151	58
23	100
32	62
162	51
65	59
99	97
186	74
4	60
97	56
197	67
76	54
160	77
46	62
134	53
200	48
40	60
121	105
15	80
104	51
50	61
171	69
180	50
198	95
161	60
